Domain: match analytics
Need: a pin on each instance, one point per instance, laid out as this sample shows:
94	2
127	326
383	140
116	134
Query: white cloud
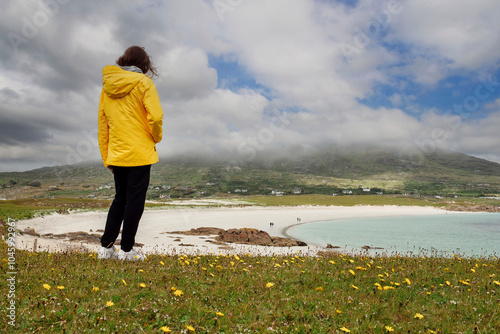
185	74
463	32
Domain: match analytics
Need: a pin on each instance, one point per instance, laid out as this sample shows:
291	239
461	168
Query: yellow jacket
130	118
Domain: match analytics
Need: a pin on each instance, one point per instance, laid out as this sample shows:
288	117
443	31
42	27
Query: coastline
157	224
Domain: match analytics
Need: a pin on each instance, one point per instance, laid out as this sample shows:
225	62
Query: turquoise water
470	234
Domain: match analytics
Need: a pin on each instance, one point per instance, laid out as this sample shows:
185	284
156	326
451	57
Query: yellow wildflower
142	285
338	311
165	329
354	287
389	329
345	330
190	328
319	288
220	314
46	286
496	282
109	303
161	262
407	281
418	316
124	282
60	287
173	288
352	272
269	285
95	288
178	293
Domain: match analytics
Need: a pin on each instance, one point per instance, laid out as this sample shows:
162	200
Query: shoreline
157	224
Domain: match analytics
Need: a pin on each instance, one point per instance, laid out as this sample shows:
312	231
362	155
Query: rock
329	246
200	231
256	237
30	231
369	247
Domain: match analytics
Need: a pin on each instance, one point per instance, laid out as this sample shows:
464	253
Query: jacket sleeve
103	131
154	111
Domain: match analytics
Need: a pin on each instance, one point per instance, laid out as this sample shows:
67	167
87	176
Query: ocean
461	234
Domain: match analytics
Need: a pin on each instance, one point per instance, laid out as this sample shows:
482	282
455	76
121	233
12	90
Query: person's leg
137	186
117	209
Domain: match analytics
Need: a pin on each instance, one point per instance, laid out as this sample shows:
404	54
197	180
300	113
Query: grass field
77	293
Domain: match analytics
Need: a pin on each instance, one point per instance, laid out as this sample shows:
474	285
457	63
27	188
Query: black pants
131	184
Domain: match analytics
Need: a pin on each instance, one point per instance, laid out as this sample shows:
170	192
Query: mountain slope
326	171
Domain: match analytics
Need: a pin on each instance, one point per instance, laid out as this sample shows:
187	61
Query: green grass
30	207
344	200
229	294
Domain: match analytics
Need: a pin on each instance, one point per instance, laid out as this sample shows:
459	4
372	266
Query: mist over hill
296	170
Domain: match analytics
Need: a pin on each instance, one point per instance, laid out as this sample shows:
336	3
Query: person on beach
129	127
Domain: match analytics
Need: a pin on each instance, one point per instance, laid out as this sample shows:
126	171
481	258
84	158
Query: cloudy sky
242	76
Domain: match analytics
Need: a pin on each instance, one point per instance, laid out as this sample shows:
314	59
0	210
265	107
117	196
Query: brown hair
137	56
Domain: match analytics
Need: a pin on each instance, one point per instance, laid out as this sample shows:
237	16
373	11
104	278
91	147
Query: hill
331	170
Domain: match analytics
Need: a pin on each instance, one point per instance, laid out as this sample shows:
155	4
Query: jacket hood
118	82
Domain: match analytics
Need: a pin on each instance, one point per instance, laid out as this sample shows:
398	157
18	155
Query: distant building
366	189
347	192
297	190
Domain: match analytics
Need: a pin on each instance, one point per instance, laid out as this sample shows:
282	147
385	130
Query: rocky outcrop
249	236
256	237
475	208
201	231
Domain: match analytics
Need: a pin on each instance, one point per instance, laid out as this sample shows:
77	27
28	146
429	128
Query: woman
130	124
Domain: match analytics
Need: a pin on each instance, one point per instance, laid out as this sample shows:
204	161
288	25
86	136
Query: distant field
342	200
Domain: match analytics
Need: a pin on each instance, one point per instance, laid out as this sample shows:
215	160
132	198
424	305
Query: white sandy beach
157	223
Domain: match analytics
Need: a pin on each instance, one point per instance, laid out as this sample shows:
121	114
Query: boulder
256	237
30	231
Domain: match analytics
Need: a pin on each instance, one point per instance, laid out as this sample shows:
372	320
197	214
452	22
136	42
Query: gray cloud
14	132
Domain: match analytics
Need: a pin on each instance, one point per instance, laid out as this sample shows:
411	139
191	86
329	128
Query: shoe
107	253
131	255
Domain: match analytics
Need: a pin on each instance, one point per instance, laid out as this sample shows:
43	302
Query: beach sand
156	225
